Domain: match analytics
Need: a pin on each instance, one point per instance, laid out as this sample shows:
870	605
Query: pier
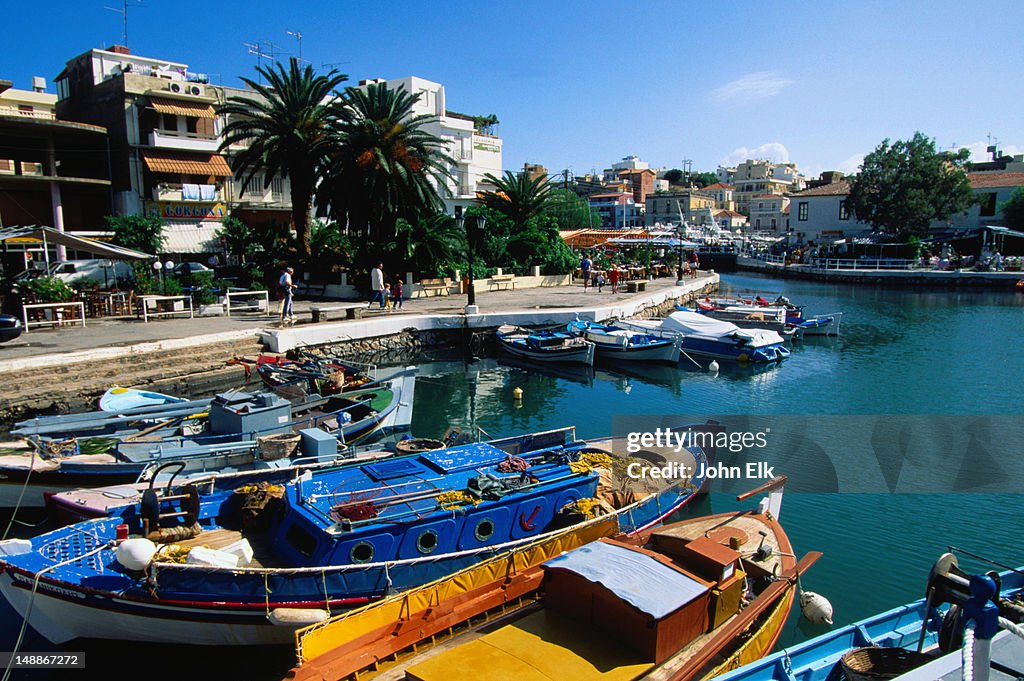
888	273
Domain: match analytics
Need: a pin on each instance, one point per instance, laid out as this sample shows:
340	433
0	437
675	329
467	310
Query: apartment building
690	205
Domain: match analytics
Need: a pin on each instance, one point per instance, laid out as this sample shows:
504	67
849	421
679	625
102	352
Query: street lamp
470	227
680	231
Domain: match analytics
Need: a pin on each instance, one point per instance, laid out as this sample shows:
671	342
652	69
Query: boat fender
815	607
135	554
297	617
713	367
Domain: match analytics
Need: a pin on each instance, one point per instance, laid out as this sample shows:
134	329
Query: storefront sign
173	210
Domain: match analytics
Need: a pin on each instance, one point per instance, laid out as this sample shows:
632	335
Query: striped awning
175	164
183	108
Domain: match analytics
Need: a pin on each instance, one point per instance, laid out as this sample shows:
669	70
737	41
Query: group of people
389	296
614	275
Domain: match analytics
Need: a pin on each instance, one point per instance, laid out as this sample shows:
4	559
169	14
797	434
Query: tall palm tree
283	126
517	196
382	165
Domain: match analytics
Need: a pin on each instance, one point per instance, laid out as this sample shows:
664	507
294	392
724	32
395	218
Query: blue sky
580	85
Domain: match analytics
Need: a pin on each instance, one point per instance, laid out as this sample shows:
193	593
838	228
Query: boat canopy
651	586
690	323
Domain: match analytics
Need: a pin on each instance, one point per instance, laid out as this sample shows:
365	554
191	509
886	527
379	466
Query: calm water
901	352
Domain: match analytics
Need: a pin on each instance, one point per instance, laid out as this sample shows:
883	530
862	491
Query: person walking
585	266
286	291
613	278
397	291
377	285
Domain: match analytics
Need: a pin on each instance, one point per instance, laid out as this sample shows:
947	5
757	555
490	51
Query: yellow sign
174	210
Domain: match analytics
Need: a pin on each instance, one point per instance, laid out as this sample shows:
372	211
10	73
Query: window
362	552
301	540
192	125
484	530
801	211
757	222
170	122
773	224
63	89
843	213
277	187
6	166
426	542
987	204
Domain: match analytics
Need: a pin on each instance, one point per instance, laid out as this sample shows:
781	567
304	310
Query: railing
173	192
251	300
150	306
865	263
43	114
183	140
460	155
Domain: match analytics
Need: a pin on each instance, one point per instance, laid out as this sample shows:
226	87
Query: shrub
50	290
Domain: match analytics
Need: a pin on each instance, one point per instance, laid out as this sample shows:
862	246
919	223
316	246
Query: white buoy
135	554
815	607
713	367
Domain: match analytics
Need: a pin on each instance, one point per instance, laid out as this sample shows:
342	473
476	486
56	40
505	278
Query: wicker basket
281	446
875	663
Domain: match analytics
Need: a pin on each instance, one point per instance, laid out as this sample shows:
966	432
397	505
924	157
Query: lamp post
470	227
679	271
159	267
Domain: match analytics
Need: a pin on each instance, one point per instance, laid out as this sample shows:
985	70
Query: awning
179	164
192	237
182	108
78	243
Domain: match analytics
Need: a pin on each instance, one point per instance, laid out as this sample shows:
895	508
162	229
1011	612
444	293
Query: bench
635	286
440	286
352	310
499	280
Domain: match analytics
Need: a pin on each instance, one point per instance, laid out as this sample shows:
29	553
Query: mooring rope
967	652
21	494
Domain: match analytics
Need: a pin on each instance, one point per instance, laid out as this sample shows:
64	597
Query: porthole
427	542
362	552
484	530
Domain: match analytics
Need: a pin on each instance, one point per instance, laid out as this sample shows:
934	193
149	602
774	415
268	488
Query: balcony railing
42	114
463	155
183	140
173	192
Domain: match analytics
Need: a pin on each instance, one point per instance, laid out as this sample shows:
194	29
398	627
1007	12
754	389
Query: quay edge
903	278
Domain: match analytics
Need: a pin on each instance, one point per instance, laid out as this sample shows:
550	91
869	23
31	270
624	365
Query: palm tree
283	128
517	196
432	243
382	165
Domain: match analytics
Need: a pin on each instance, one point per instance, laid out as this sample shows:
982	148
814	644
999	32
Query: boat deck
218	538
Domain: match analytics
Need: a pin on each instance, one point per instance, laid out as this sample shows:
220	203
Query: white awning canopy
49	235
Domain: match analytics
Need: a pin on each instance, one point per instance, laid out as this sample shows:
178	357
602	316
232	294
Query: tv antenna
298	37
256	49
124	16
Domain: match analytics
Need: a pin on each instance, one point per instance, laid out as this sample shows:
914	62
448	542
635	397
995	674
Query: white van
103	273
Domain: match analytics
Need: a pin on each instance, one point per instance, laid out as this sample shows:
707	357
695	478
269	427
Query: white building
475	151
820	214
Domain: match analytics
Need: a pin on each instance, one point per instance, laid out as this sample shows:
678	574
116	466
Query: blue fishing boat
909	636
701	335
250	565
615	343
233	431
545	346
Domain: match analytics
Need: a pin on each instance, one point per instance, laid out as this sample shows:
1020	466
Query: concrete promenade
903	277
102	341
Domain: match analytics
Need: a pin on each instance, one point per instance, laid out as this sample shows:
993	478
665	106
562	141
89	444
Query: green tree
382	164
283	129
239	238
540	243
570	210
432	245
138	232
904	186
674	176
517	196
1013	210
701	180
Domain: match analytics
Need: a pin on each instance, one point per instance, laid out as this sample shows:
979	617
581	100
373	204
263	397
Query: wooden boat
918	635
701	335
742	310
545	346
308	374
612	342
322	542
231	432
684	601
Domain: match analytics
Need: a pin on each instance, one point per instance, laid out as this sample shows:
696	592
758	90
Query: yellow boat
686	601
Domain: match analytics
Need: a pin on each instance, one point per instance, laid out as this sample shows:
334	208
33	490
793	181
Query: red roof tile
840	188
717	185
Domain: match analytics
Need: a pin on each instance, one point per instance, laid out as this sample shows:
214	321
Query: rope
1016	629
967	653
32	598
327	596
21	494
266	591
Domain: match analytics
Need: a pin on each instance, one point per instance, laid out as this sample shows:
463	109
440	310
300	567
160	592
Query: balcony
27	112
187	141
463	155
166	191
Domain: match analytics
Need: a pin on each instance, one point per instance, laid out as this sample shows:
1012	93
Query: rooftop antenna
254	48
298	36
124	17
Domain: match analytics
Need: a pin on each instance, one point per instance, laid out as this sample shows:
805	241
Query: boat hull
584	354
667	353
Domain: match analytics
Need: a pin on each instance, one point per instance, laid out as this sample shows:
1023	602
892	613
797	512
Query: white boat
702	335
612	342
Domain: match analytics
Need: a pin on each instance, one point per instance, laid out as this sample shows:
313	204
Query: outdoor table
109	303
146	301
57	311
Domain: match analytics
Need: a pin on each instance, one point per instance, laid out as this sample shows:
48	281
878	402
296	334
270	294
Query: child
387	297
613	278
600	282
398	294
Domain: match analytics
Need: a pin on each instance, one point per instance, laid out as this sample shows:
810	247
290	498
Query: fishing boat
912	636
545	346
701	335
233	431
744	316
683	601
778	310
308	373
249	566
612	342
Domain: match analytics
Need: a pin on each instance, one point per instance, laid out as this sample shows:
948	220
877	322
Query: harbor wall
903	278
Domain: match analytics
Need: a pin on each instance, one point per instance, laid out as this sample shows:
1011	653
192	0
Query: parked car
10	327
101	272
186	269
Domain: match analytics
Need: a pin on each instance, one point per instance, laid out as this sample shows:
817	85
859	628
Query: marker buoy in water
815	607
517	394
713	367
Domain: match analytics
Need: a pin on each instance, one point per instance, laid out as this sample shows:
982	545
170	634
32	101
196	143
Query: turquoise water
901	352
